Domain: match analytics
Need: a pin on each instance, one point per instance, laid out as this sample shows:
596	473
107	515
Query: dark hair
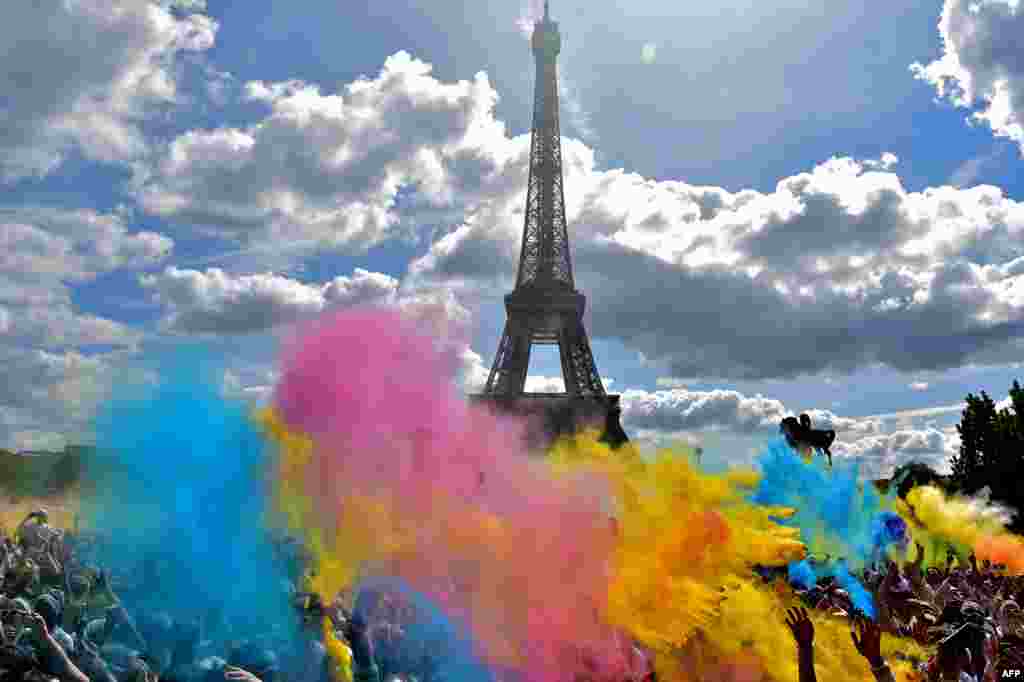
47	607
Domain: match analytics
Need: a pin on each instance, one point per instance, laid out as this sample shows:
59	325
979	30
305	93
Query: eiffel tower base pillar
553	415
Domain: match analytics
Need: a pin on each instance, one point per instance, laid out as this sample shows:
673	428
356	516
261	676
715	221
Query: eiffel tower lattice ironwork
545	308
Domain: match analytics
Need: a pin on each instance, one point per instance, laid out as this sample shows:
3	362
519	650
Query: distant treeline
36	474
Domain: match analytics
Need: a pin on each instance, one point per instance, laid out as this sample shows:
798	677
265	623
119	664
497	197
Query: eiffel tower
545	307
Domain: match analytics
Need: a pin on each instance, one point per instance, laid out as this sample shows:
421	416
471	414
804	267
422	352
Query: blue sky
771	210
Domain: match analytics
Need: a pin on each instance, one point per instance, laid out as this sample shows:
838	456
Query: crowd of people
61	617
969	614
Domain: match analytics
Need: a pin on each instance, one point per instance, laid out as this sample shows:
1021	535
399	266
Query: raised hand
869	641
801	627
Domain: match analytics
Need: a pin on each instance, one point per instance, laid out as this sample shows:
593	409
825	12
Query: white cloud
49	380
543	384
886	162
472	372
217	302
855	269
83	75
982	65
48	399
62	244
662	416
682	410
42	251
918	386
329	168
879	455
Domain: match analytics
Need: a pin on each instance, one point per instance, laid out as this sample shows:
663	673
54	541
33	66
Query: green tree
992	451
914	474
977	439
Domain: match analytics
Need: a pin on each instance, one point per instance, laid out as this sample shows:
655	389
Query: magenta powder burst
376	395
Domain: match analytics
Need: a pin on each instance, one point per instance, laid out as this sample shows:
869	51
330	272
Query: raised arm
803	632
867	638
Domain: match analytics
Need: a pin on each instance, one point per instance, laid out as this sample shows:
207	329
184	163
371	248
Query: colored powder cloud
802	575
406	480
548	559
965	523
836	513
427	638
682	534
750	641
805	575
181	494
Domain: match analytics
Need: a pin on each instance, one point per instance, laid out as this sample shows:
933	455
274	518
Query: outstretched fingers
858	642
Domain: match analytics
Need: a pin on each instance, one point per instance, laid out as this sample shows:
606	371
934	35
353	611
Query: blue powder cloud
833	510
182	494
452	654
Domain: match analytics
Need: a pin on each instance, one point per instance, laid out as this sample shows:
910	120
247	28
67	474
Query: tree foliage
914	474
992	450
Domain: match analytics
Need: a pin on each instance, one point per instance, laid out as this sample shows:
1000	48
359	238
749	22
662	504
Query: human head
961	651
47	607
79	584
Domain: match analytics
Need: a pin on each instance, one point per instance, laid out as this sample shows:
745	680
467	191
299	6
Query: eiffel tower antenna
545	307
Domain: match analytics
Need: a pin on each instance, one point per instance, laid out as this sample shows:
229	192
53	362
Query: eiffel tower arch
545	308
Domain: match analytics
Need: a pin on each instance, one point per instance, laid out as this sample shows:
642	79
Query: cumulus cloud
51	376
43	251
83	75
837	268
329	168
217	302
690	416
47	399
472	373
879	455
46	243
682	410
982	63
